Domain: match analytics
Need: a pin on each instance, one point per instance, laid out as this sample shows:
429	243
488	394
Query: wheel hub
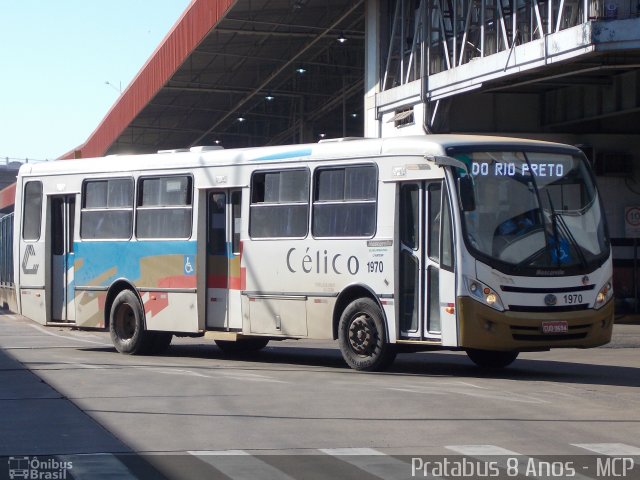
125	322
362	335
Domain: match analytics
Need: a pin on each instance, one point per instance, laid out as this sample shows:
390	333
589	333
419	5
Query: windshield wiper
572	240
556	221
554	225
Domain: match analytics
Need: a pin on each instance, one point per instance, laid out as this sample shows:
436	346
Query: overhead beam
312	28
574	121
252	113
564	75
247	91
267	33
280	60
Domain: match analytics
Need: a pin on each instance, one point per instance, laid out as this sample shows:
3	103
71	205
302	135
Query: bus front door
426	286
62	215
223	260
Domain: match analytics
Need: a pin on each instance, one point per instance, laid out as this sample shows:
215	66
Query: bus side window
344	201
447	258
434	202
217	223
236	218
164	207
409	216
57	218
32	211
72	223
279	204
107	209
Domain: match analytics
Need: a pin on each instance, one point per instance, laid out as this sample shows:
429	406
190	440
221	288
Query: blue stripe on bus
280	156
99	257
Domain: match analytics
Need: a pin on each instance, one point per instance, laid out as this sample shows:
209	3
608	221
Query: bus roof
325	150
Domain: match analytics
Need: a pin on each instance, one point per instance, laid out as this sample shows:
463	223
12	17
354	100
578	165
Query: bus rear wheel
362	337
491	358
126	325
243	345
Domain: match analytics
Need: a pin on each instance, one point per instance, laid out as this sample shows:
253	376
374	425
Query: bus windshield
534	211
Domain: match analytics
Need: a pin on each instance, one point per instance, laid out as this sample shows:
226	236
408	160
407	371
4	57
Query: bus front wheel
126	325
362	337
491	358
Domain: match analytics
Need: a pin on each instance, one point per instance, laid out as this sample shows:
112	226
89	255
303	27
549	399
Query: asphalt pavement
40	428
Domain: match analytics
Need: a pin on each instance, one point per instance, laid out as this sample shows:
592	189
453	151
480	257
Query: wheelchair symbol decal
189	265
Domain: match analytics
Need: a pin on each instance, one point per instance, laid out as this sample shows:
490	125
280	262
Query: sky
55	57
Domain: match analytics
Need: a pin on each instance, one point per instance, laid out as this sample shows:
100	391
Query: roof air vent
343	139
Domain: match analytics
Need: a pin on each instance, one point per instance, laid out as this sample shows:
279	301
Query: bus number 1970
375	267
572	299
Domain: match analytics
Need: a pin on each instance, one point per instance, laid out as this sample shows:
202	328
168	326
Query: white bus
488	245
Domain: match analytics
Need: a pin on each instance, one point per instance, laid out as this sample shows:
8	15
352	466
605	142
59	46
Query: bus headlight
604	295
483	293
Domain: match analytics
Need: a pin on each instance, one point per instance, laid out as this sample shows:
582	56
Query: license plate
555	327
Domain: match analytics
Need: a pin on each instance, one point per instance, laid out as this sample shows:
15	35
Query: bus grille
535	309
583	288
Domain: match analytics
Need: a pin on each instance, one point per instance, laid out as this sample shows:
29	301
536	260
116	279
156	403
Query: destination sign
510	169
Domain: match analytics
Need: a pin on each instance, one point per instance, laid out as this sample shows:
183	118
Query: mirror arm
442	161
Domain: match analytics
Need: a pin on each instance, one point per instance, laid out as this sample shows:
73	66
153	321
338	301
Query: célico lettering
321	262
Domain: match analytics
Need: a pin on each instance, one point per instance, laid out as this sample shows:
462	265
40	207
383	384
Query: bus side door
62	215
426	282
223	260
30	268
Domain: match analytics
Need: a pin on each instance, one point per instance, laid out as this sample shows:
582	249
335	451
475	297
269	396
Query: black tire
126	325
492	358
160	341
362	337
243	345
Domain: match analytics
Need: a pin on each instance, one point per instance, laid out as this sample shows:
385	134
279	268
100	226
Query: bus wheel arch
126	320
114	290
362	332
348	295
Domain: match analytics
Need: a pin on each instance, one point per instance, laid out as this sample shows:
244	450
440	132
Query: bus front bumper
484	328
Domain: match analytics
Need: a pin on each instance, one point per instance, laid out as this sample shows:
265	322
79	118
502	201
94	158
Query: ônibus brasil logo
37	469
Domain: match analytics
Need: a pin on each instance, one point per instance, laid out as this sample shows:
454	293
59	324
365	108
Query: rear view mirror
466	196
